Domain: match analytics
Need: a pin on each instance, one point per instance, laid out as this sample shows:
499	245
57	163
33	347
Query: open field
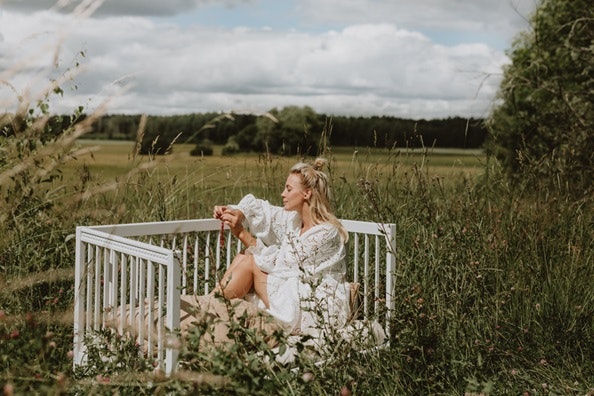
114	158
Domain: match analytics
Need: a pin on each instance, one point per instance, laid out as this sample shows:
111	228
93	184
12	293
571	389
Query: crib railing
131	276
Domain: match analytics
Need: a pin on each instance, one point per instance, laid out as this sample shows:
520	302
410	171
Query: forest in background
288	131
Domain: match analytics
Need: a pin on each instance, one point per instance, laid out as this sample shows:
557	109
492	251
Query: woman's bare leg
243	276
260	283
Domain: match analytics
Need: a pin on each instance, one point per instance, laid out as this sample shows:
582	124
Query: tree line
288	131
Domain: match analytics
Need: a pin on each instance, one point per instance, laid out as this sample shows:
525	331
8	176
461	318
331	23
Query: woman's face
294	195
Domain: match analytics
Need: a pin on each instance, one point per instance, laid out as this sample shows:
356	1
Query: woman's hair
318	182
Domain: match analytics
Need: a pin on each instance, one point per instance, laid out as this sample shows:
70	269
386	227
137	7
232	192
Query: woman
294	266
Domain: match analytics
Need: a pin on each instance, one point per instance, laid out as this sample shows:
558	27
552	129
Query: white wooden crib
147	266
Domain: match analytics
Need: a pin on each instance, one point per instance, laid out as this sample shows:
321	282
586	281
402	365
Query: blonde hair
320	206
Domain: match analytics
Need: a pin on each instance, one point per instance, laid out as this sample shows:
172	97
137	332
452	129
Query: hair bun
319	163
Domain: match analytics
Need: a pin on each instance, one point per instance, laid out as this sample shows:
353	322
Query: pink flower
8	389
101	378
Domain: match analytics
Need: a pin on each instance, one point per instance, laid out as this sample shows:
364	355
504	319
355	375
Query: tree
294	130
543	130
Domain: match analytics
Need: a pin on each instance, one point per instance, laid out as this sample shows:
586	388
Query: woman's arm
252	218
262	219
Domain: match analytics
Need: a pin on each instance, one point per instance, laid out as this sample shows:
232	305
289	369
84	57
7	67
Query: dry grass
112	159
54	275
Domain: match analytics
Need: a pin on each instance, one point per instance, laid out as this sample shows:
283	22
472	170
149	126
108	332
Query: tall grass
493	294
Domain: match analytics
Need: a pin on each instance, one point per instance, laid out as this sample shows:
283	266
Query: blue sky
406	58
284	15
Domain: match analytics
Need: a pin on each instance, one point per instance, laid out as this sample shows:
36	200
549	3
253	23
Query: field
243	173
494	281
111	158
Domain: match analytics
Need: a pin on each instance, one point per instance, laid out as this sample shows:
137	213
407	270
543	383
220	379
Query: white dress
307	289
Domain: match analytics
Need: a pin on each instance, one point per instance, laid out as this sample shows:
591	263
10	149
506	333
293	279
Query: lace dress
307	289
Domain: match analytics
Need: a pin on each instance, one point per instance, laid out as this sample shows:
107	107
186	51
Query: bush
157	146
543	131
204	148
231	147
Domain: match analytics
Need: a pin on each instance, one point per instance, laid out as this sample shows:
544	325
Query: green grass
111	159
494	283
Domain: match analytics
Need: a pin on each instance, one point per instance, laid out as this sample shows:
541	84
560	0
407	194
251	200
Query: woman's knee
239	261
242	267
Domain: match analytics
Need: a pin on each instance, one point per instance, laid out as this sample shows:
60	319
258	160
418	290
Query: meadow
494	281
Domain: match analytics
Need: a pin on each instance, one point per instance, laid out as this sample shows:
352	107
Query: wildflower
70	354
345	391
307	377
8	389
61	379
102	379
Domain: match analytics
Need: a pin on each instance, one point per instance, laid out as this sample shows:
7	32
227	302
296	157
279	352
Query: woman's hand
233	218
218	211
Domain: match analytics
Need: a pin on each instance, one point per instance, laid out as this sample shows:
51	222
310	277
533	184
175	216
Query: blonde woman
294	266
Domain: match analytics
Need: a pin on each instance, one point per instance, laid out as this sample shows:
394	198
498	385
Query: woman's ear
307	194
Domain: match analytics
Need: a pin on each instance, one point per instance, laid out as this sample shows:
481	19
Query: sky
418	59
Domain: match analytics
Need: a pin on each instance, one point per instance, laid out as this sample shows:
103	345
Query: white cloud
361	69
503	16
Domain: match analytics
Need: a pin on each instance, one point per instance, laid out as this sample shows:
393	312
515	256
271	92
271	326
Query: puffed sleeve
261	219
